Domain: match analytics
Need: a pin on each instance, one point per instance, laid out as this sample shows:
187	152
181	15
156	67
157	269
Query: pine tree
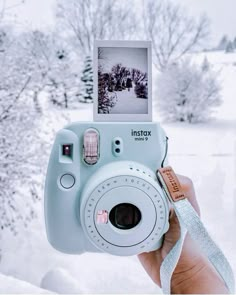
229	48
234	43
205	65
223	43
87	79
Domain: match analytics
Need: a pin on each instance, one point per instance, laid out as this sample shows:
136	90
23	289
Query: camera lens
125	216
117	142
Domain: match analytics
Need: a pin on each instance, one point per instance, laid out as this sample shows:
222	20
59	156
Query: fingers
151	262
188	189
172	235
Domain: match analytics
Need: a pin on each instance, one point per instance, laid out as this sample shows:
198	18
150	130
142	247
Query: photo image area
123	82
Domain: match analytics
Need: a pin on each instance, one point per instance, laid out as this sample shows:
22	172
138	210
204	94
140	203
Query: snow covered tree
26	131
86	21
234	43
205	65
19	152
26	59
18	127
58	76
3	42
187	93
223	43
172	31
230	47
87	78
53	68
7	8
35	47
63	82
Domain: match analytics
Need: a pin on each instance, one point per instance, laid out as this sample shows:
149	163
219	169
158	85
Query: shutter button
67	181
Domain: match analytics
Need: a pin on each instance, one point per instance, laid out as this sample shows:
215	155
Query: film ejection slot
91	146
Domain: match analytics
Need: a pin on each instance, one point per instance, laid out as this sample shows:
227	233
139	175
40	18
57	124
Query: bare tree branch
91	19
5	8
5	112
173	33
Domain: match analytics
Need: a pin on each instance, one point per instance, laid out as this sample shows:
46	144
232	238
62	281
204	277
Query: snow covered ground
204	152
128	103
10	285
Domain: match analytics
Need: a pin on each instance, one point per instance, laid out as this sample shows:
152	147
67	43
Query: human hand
193	273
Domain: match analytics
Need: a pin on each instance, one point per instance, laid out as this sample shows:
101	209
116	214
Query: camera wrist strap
189	222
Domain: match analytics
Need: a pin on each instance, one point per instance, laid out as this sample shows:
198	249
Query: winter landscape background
46	82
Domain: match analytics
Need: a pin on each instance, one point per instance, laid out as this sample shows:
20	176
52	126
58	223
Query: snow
204	152
60	281
128	103
9	285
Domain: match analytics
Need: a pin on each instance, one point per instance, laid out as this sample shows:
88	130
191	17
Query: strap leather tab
171	183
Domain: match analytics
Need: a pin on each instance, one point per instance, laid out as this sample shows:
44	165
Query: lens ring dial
155	225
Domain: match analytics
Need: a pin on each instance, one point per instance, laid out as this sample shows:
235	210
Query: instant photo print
122	81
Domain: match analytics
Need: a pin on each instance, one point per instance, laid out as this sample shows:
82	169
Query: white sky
128	57
33	13
222	13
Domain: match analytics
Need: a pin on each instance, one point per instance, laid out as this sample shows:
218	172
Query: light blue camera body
101	192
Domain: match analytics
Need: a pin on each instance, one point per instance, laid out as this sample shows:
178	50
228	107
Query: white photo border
97	117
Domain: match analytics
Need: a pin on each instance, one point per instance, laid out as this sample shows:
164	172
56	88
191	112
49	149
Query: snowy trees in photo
188	92
121	86
119	73
172	31
141	83
141	90
104	103
86	94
